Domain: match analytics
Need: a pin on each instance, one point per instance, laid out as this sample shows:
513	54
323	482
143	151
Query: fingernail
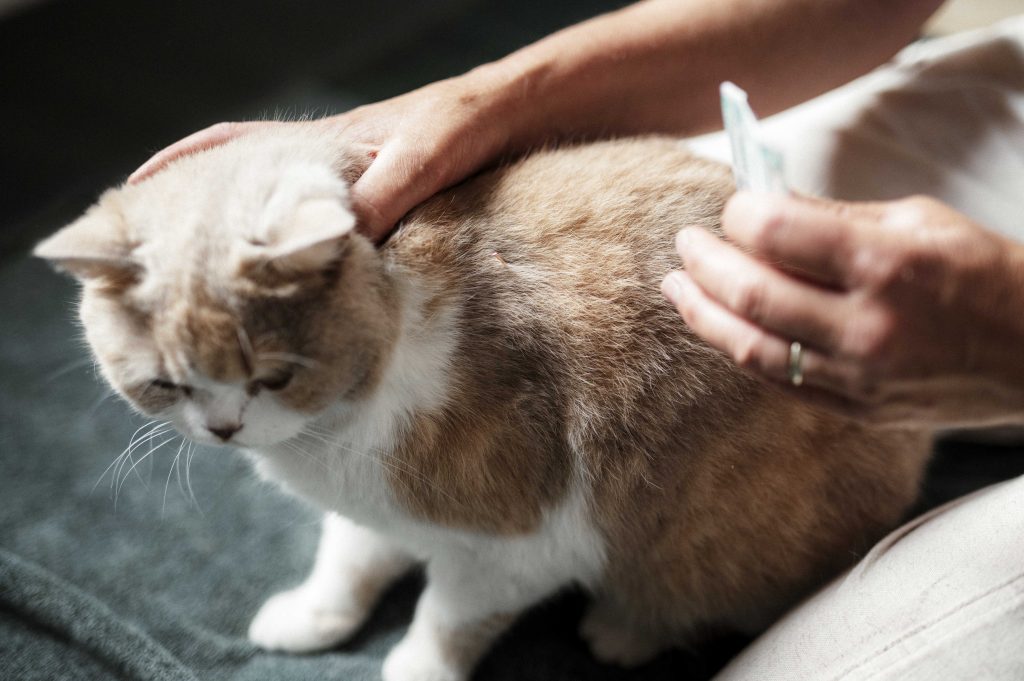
672	285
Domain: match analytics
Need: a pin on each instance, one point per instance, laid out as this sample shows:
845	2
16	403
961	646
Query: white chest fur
341	463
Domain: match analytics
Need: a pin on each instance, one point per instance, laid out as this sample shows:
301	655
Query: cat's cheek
267	423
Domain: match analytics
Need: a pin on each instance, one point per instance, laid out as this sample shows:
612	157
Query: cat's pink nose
224	432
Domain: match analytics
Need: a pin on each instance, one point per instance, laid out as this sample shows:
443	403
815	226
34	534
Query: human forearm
655	66
651	67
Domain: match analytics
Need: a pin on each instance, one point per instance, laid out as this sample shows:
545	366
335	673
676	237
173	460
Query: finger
197	141
751	347
394	184
757	292
815	239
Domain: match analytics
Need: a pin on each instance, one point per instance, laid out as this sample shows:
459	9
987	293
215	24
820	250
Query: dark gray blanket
154	585
159	582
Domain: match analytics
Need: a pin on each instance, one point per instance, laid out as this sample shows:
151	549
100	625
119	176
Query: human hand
418	143
909	313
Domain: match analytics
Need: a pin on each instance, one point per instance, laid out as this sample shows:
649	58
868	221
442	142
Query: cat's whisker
294	447
120	457
181	484
148	454
385	460
167	483
117	479
317	437
126	457
181	446
107	394
162	431
407	469
68	368
320	436
190	452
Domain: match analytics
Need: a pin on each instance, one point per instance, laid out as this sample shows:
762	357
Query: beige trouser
941	598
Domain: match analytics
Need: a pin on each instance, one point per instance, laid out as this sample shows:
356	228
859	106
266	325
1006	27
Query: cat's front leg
460	614
353	567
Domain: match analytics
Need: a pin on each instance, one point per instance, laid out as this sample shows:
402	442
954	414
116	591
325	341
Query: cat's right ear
311	241
92	247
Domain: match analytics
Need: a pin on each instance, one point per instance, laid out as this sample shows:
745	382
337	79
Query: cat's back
560	256
719	497
576	208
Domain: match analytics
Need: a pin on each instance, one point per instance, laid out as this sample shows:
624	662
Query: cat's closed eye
164	386
273	383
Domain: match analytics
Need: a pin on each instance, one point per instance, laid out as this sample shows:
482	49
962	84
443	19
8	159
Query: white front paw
415	659
294	622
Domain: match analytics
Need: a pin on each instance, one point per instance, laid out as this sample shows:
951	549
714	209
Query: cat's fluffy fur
499	391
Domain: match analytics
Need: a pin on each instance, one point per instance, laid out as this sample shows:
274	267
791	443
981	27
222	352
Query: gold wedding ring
796	363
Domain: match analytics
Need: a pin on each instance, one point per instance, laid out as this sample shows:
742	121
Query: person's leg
940	599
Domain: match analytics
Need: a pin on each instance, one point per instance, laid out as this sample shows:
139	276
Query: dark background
90	88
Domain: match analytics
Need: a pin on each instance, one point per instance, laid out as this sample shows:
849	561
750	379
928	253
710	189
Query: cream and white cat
499	391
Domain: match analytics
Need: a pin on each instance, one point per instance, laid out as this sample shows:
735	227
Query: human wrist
513	103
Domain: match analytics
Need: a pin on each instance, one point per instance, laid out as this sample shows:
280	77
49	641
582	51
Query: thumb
394	184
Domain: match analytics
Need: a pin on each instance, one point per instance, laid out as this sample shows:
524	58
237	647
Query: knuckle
912	212
748	298
689	312
766	229
918	205
747	350
684	308
876	268
869	336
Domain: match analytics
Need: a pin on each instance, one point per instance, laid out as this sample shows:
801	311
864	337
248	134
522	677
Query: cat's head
229	293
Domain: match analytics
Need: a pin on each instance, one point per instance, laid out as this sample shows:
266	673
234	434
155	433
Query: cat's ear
93	247
311	240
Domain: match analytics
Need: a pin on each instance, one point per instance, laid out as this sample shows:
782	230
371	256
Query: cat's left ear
93	247
312	239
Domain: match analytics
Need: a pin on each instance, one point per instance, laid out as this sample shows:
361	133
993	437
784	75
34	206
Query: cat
499	391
